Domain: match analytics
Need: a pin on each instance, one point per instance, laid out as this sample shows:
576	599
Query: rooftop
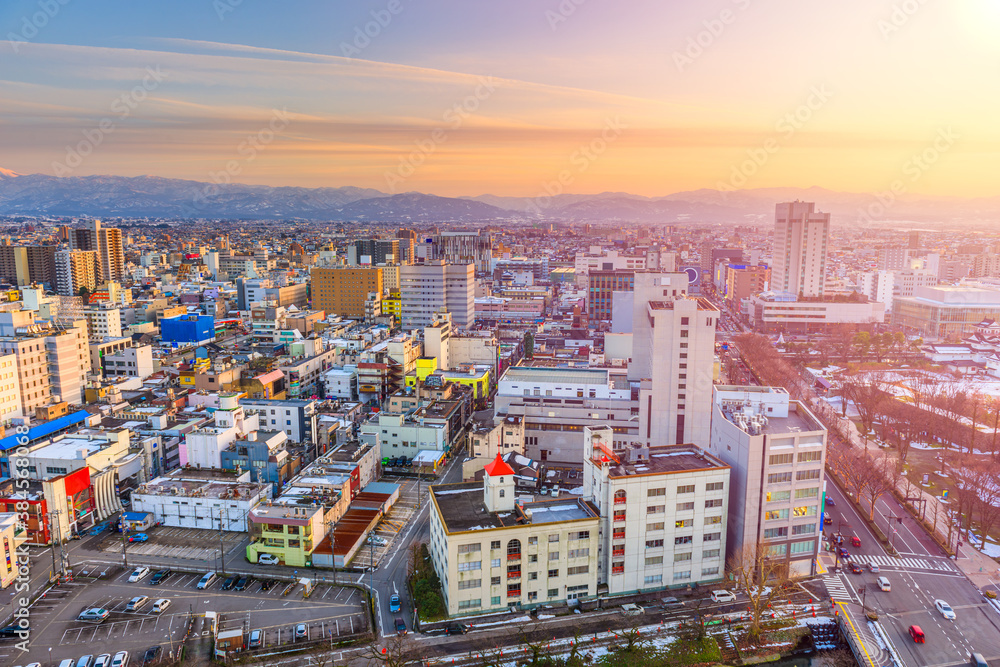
659	460
461	508
567	375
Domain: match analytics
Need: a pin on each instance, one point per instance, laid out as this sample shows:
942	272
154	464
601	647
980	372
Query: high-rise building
893	258
801	234
373	251
432	287
914	241
743	281
463	247
107	241
407	237
878	286
24	265
601	286
776	449
344	291
76	269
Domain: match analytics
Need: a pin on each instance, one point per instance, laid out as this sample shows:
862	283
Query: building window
780	459
714	486
803	547
653	579
580	535
495	544
578	553
687	488
651	527
683	523
779	477
553	574
713	520
710	553
495	581
683	539
812	492
711	537
656	509
678	558
802	475
654	544
685	507
682	576
775	533
804	529
805	510
469	604
805	457
777	496
470	583
709	571
469	548
470	565
580	569
553	592
713	503
654	560
772	515
652	493
553	538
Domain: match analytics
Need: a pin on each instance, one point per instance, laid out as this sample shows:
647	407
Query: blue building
188	329
265	457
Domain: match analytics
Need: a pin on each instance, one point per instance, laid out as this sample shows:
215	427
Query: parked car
160	605
632	609
256	639
138	574
206	580
400	625
266	584
242	583
945	609
68	662
84	661
103	660
159	577
151	655
301	631
393	604
723	596
120	659
139	537
456	629
93	614
229	583
267	559
670	602
13	631
136	603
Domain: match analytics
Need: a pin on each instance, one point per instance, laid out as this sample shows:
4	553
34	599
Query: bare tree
993	406
875	476
763	578
394	651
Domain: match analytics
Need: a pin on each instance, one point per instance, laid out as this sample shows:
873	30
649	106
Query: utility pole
52	541
333	557
123	530
222	548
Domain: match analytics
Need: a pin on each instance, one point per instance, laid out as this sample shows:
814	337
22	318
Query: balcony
513	557
619	518
620	501
513	576
514	593
617	569
618	552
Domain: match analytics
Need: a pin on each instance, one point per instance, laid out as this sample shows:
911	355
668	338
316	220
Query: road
921	574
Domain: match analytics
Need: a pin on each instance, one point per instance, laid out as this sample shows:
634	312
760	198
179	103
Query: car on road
93	614
400	626
151	655
670	602
159	577
242	583
873	567
393	604
456	629
827	519
830	502
139	537
916	633
228	583
856	569
301	631
206	580
944	609
138	574
160	605
267	559
855	541
844	553
103	660
256	639
120	659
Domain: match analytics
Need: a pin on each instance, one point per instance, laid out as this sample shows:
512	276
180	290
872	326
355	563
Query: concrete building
69	362
107	242
10	391
207	499
129	362
492	553
397	435
601	286
801	234
663	513
777	451
103	321
893	258
24	265
433	287
76	269
878	286
12	535
945	312
202	448
742	282
774	312
295	417
461	247
344	291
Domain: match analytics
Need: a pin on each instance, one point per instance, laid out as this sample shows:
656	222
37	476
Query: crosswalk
904	563
836	588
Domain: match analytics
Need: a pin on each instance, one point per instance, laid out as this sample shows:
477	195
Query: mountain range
152	196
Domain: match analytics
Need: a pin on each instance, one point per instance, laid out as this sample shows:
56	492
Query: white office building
426	289
801	234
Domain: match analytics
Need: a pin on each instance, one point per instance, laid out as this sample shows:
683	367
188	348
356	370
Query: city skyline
639	97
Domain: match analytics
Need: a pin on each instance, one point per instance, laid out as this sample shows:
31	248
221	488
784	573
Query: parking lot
167	542
329	611
394	521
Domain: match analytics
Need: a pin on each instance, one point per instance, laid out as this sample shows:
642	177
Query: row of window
796	512
787	459
800	475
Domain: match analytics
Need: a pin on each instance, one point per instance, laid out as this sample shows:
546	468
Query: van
883	584
723	596
135	604
206	580
978	660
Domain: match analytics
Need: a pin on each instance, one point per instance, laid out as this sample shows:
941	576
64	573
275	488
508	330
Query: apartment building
24	265
664	511
458	247
776	448
344	291
129	362
296	417
107	242
69	361
433	287
76	269
492	553
103	321
398	435
10	393
801	234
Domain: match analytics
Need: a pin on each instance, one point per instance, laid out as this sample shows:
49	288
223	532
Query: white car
945	609
267	559
103	660
120	659
137	574
723	596
160	605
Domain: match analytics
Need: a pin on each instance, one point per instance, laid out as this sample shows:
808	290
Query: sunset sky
541	80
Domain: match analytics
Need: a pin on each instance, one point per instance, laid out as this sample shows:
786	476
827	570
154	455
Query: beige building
10	392
107	242
801	234
76	269
344	291
493	553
